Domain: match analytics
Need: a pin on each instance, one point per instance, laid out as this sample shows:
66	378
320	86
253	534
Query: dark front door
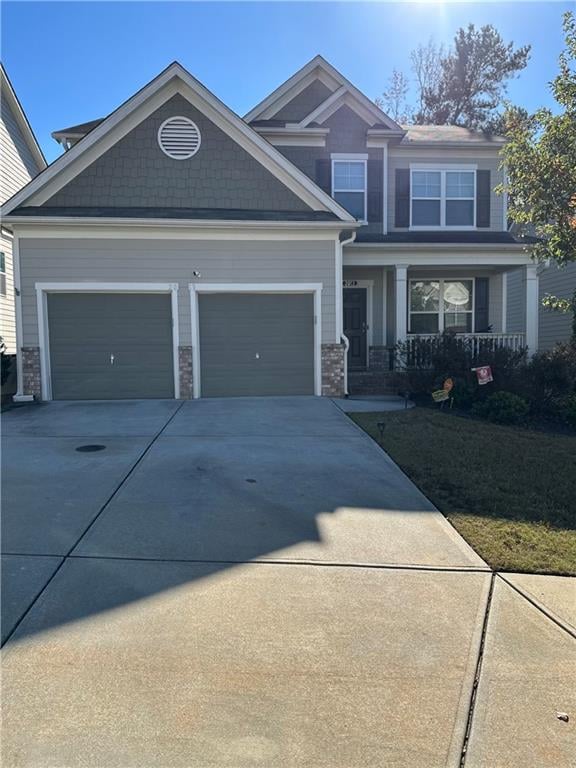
355	327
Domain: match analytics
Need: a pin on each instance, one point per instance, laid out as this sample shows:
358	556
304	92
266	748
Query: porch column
401	297
532	306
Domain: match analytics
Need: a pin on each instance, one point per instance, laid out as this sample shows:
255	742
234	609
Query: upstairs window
349	185
442	198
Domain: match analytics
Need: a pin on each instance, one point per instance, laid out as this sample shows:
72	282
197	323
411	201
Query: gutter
340	278
180	223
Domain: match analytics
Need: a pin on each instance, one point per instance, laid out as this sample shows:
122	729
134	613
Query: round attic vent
179	138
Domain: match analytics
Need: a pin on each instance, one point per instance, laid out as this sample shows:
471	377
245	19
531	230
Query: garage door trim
196	288
42	291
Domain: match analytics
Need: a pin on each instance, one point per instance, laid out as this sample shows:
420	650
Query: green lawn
510	492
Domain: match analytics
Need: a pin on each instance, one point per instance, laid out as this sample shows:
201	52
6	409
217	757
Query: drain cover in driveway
90	448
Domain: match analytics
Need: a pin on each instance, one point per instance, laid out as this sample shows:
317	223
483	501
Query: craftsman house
178	250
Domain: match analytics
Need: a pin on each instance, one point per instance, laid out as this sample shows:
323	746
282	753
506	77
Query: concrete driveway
237	583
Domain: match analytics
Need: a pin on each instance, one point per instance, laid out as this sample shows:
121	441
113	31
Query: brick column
333	370
185	369
31	376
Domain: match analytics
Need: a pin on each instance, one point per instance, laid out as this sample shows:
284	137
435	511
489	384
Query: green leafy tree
540	161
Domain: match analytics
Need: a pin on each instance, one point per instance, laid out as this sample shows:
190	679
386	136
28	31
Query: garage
256	344
109	346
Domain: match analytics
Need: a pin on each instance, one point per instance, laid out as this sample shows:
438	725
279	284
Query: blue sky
75	61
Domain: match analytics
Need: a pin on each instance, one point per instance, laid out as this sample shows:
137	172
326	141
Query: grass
510	492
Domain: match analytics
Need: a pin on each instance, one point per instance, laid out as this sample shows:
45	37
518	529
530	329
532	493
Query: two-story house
177	250
20	160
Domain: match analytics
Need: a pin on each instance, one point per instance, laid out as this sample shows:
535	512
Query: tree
540	161
465	84
393	99
473	79
426	62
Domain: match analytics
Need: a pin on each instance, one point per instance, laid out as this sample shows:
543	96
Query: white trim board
319	68
44	288
174	79
196	288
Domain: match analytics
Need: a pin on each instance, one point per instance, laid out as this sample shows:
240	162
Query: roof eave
109	221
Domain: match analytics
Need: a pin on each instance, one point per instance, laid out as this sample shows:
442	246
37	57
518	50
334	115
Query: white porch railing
477	343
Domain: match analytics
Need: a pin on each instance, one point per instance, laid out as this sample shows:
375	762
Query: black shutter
375	184
402	213
483	198
324	175
481	321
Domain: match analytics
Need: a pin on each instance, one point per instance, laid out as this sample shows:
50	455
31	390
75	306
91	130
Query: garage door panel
86	330
256	344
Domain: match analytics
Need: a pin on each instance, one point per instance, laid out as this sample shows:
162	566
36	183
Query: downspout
340	279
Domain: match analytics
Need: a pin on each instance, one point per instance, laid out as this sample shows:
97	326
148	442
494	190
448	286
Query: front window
443	198
349	186
439	305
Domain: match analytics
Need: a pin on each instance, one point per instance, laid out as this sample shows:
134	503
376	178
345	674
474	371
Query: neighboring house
177	250
553	326
20	160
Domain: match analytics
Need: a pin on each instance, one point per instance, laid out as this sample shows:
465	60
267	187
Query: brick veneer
31	377
185	369
333	370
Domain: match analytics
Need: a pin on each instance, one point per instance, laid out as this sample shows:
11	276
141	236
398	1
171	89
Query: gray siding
516	301
135	172
556	326
17	164
307	100
171	261
445	157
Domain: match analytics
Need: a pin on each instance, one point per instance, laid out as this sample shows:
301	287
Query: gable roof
13	102
343	91
174	79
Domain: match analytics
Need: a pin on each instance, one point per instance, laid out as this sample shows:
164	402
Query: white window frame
338	157
42	291
440	311
443	170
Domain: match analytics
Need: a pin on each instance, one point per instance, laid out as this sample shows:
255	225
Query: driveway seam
479	661
541	607
102	508
314	563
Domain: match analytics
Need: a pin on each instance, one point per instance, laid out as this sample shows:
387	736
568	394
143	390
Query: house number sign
349	283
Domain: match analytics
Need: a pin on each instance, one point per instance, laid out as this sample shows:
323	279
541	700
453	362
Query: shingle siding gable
135	172
306	101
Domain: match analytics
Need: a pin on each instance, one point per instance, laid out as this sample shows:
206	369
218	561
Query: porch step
373	383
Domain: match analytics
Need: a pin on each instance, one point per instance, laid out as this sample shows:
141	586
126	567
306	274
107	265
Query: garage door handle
111	359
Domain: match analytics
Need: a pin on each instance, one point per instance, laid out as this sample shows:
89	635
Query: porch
487	306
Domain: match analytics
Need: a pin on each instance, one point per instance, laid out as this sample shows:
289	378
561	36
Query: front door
355	326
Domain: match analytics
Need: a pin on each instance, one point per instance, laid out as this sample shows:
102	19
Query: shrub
549	381
428	361
503	408
5	362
